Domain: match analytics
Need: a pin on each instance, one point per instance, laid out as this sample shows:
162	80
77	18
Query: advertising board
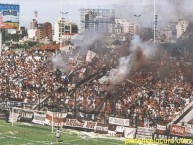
9	14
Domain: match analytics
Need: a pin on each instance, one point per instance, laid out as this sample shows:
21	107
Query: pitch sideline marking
19	138
43	142
65	142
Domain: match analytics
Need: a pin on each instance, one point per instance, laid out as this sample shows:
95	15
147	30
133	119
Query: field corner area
30	134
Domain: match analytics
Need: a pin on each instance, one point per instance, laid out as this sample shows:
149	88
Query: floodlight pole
61	24
52	122
154	23
0	41
137	16
138	23
62	27
61	13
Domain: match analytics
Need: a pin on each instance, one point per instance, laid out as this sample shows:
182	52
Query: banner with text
39	118
130	132
9	16
119	121
90	125
101	128
144	132
161	129
177	130
115	134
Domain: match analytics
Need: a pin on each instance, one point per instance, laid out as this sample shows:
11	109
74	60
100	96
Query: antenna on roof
36	14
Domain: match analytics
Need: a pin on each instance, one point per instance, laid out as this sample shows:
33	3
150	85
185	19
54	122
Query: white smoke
140	53
167	11
59	62
117	75
147	47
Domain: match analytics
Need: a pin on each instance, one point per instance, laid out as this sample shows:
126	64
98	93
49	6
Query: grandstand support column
39	101
39	93
105	106
75	106
0	41
159	105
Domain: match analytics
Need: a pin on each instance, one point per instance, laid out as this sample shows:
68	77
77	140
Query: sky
49	10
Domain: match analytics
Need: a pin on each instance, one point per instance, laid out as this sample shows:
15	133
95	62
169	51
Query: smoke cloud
167	11
59	62
141	52
82	44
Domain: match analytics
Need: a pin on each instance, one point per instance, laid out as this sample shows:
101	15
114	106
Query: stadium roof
3	26
191	121
47	47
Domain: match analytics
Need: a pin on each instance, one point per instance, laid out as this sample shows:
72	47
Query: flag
55	118
90	55
82	71
70	73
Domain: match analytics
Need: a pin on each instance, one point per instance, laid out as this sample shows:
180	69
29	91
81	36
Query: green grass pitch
21	134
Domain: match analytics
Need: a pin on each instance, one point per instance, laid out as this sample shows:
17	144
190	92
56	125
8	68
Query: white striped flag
90	55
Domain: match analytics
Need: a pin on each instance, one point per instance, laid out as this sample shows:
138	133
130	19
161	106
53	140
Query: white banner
73	123
143	136
82	124
90	124
111	133
26	114
119	121
161	127
130	132
145	132
145	129
39	118
120	128
115	134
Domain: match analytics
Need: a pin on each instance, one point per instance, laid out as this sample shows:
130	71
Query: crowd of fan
158	90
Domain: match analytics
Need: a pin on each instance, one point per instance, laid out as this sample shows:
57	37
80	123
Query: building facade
33	24
41	31
124	26
97	21
181	27
166	35
47	31
63	27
